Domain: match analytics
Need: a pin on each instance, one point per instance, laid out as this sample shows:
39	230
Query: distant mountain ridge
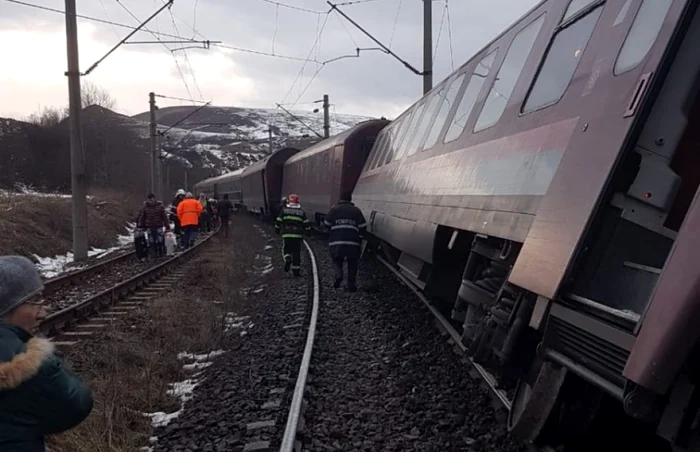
212	141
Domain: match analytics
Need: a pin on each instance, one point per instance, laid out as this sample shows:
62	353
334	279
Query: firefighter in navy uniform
292	224
347	226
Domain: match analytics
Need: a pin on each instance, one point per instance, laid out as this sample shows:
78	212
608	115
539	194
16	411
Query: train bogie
542	196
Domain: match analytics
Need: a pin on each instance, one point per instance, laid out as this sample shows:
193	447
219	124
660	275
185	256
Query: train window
575	7
643	33
508	75
425	123
387	145
397	137
445	108
561	62
411	132
476	82
379	150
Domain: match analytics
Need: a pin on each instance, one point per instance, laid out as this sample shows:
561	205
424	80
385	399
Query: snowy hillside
222	139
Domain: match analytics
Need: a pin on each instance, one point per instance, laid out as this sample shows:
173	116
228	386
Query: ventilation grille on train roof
602	357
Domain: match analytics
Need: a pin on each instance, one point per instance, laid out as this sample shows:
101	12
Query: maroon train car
261	183
322	172
546	196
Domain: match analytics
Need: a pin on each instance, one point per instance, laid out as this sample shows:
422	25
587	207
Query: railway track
76	305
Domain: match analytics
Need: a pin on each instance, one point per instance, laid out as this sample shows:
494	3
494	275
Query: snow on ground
23	190
183	390
51	267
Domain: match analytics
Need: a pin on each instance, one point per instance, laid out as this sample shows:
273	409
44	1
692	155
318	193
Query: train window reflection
397	137
508	75
561	62
425	123
411	131
643	33
379	148
576	6
476	82
445	108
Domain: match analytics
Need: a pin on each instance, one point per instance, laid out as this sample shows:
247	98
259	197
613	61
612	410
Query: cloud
373	84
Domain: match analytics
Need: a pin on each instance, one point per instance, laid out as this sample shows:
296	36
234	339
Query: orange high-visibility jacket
188	211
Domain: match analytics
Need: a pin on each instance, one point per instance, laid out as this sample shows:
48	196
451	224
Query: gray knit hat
19	281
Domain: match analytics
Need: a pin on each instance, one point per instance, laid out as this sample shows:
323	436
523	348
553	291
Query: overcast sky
33	52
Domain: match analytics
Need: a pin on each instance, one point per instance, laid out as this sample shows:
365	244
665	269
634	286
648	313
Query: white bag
170	243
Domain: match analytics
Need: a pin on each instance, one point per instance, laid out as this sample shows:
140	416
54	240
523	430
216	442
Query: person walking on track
179	196
153	219
188	211
347	226
38	395
292	224
225	207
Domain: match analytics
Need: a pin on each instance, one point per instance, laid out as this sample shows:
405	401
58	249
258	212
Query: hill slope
205	143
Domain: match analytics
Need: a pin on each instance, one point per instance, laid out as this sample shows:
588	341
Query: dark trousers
291	252
352	269
188	235
224	225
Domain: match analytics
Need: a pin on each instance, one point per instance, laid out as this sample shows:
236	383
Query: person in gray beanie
38	396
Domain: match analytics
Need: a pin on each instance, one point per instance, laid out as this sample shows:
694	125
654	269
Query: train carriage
321	173
261	183
226	184
545	194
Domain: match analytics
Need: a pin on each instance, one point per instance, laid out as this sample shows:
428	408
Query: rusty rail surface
61	320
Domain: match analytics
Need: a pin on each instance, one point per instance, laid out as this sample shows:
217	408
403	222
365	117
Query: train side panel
322	172
261	183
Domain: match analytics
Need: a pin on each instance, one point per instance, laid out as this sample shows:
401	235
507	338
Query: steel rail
290	431
59	321
53	284
488	378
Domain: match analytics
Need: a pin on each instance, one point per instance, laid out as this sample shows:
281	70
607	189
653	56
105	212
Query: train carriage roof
333	141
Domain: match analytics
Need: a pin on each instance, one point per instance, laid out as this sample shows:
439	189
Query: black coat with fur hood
38	396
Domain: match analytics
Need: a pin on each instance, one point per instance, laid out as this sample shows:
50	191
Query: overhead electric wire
396	21
177	63
162	34
187	59
437	41
315	44
298	8
449	31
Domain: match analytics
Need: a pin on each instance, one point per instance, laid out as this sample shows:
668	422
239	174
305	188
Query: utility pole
269	136
77	158
154	142
427	46
326	117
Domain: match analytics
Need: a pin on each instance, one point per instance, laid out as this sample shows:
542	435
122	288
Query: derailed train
545	197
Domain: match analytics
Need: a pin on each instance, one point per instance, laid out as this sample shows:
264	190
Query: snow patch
51	267
183	390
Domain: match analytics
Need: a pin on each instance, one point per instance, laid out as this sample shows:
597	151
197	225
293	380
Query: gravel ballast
384	379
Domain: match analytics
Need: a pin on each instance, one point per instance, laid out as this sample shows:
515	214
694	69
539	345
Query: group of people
188	216
346	225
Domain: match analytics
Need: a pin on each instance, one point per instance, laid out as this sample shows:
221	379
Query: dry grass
42	225
130	367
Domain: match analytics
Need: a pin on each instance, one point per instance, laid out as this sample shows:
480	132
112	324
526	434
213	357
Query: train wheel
533	402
